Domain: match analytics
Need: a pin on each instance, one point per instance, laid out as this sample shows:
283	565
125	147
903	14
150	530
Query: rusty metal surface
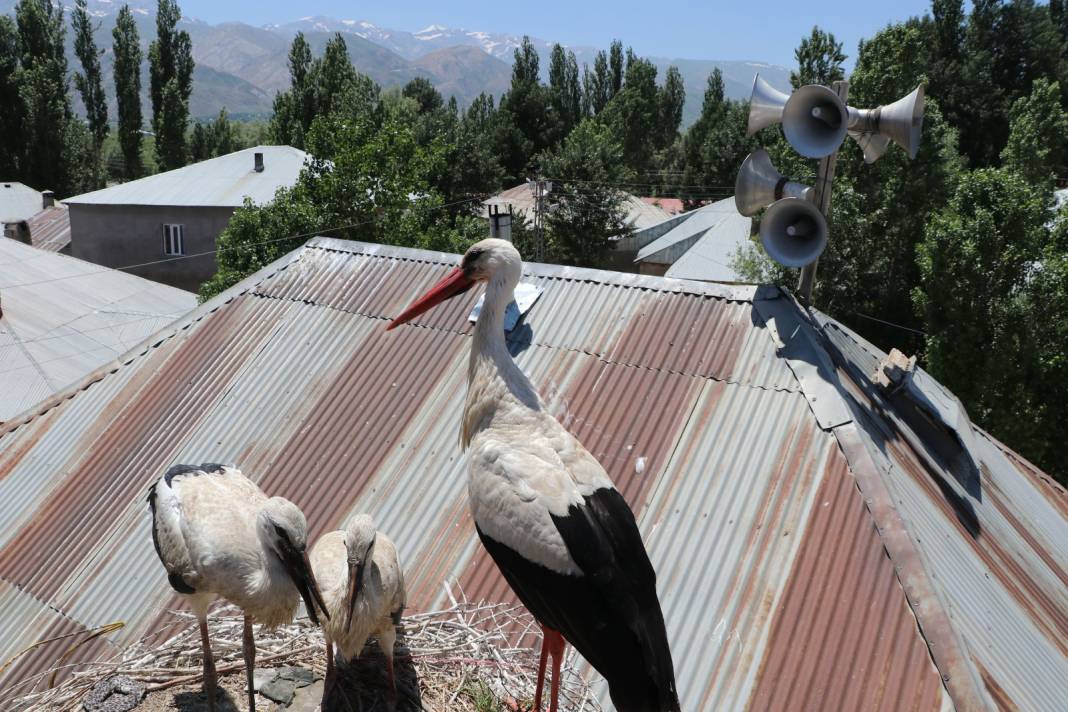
678	388
50	228
989	545
844	636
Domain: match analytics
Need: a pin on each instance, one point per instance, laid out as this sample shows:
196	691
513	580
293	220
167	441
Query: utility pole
541	189
824	184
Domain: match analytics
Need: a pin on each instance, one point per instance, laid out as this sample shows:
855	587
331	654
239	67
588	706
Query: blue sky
765	29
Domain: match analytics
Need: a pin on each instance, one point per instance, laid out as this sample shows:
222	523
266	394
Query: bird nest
465	657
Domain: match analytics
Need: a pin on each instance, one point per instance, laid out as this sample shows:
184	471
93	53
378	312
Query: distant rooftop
18	202
640	214
702	245
217	182
50	228
63	317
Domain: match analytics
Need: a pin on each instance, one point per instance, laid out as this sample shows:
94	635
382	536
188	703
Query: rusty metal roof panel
992	540
678	388
50	228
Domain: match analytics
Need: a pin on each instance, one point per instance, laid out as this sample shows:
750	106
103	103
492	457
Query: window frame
174	239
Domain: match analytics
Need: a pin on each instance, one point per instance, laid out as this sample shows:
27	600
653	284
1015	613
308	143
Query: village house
167	224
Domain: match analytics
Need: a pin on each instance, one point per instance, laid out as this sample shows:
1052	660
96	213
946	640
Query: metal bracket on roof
525	296
811	365
898	373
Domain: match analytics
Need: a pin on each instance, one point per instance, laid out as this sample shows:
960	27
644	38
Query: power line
889	323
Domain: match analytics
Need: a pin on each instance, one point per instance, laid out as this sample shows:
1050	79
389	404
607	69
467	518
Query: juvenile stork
363	587
218	535
547	512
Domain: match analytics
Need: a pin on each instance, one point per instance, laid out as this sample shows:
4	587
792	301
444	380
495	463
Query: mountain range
241	67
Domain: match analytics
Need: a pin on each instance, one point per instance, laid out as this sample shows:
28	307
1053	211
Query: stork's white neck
493	378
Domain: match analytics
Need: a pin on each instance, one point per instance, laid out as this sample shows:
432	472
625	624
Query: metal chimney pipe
48	199
258	167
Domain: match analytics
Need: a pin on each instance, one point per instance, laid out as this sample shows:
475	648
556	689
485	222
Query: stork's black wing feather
611	613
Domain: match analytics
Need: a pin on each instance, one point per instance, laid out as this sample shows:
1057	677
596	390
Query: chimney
48	199
500	222
258	166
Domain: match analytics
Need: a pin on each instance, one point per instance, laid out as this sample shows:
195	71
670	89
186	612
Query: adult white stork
218	535
548	513
363	586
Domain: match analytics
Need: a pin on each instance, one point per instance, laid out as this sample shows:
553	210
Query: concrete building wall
123	235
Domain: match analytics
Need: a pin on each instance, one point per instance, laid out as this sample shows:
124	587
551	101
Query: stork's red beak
455	282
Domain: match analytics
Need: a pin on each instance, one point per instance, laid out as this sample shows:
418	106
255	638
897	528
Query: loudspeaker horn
766	104
900	122
815	121
760	184
793	232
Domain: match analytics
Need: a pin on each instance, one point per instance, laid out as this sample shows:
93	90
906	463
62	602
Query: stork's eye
472	256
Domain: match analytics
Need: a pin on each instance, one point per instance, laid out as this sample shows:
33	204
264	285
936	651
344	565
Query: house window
174	239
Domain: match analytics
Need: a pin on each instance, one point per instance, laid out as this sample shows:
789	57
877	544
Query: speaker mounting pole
824	183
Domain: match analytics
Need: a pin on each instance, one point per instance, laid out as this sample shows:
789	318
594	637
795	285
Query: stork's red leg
556	650
545	633
210	679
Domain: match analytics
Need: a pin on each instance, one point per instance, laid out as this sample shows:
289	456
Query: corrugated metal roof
640	214
50	228
224	181
702	245
18	202
63	317
783	579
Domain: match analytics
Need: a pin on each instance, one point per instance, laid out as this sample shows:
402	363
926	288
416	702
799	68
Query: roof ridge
716	290
948	650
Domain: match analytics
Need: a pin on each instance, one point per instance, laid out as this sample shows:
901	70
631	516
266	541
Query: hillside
242	67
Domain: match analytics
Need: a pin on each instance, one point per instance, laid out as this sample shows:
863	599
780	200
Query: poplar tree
565	96
50	154
170	58
127	75
10	114
90	85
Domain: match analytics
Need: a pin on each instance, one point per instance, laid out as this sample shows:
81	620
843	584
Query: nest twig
451	656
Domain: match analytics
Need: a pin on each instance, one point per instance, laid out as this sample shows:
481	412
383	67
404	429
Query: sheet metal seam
29	594
571	349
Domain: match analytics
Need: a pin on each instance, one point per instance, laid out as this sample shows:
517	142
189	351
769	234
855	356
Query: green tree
983	290
127	73
589	209
222	133
90	85
634	115
597	86
422	92
371	181
1037	135
10	103
565	94
201	143
294	110
819	60
523	116
52	152
671	99
615	68
170	58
